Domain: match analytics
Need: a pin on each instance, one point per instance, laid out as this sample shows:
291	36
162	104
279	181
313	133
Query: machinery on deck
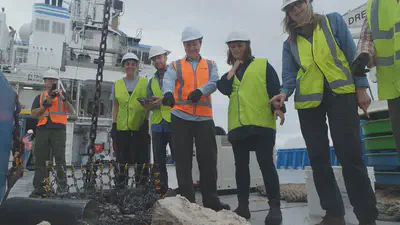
93	183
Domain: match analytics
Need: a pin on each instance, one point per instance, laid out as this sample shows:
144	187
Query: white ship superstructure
66	37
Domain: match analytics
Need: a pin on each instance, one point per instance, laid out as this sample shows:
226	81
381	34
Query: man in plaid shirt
367	56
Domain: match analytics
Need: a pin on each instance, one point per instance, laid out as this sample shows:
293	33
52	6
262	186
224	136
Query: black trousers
203	132
263	146
394	110
344	123
133	147
49	143
160	141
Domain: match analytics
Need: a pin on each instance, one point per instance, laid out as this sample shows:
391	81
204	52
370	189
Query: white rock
44	223
179	211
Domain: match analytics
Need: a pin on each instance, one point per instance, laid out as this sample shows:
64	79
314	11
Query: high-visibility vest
249	100
164	112
189	80
319	59
27	143
384	22
131	114
56	111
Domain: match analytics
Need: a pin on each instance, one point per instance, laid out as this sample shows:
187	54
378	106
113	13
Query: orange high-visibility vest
189	80
56	111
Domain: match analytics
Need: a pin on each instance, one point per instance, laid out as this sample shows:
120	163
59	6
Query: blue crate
383	159
298	157
365	157
387	178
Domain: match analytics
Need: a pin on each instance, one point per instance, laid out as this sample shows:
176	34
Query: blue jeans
25	157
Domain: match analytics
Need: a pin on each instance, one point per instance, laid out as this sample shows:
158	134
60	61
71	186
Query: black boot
36	194
332	220
274	216
243	210
218	206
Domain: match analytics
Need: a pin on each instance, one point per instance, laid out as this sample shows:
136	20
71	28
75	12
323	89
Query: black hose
32	211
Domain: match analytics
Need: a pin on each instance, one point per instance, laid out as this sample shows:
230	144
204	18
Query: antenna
138	37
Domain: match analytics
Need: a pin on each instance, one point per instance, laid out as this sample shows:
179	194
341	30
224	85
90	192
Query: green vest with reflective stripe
164	112
249	100
319	59
397	51
131	114
381	16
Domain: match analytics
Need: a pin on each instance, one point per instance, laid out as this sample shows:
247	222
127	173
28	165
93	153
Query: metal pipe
78	98
32	211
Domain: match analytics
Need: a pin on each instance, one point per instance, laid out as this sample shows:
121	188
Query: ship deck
293	213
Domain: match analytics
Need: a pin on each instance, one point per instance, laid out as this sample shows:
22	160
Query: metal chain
17	149
117	205
75	180
108	174
101	179
99	78
95	110
137	201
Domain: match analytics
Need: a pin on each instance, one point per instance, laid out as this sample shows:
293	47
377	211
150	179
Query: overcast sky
163	22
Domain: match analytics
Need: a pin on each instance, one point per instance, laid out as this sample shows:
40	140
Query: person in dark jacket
252	121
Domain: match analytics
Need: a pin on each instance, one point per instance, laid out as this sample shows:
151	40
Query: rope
389	210
289	192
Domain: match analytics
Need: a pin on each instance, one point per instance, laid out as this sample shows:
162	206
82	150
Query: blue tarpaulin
7	105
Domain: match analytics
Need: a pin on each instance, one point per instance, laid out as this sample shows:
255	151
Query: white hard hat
191	33
157	50
30	131
128	56
288	2
237	36
50	74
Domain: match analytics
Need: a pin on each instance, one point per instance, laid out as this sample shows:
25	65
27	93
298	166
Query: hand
59	93
278	100
280	114
358	67
113	131
363	99
47	103
156	101
237	64
234	69
168	99
195	96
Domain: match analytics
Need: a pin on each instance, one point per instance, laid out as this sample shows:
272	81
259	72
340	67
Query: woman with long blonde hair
316	67
250	84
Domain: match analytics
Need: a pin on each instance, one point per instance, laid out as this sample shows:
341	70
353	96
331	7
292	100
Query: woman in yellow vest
316	59
252	121
129	117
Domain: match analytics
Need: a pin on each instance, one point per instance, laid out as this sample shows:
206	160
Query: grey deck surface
293	213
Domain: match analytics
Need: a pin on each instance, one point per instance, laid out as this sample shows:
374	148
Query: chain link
131	203
99	78
117	201
17	148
